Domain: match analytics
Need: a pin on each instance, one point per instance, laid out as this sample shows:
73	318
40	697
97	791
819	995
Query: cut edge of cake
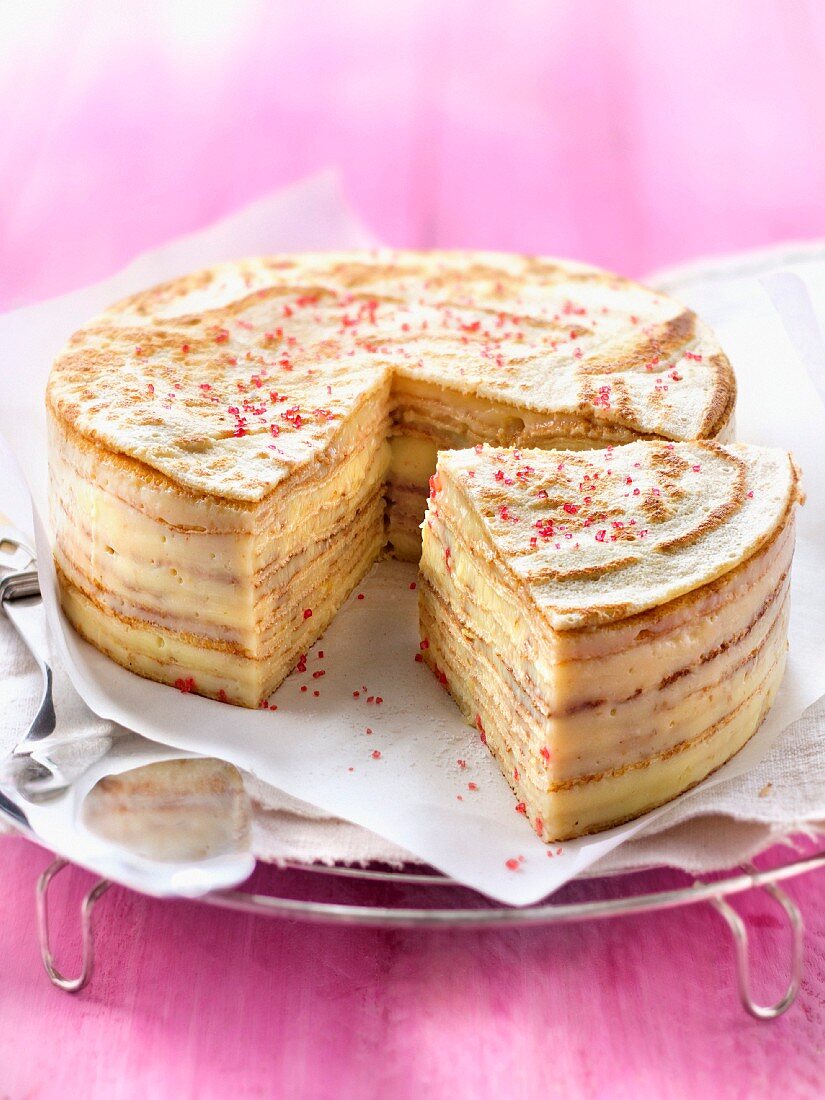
596	719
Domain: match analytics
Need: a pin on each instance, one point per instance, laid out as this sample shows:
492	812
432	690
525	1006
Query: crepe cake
230	452
614	622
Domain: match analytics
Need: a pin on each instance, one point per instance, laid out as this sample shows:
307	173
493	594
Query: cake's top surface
228	379
598	536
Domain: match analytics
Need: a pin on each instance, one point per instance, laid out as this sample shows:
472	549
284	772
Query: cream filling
137	575
460	418
614	734
594	802
412	460
169	657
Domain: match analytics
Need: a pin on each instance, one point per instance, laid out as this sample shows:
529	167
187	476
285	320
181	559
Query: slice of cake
230	452
614	622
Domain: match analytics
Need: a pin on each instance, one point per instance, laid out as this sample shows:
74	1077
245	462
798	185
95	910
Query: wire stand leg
739	932
68	985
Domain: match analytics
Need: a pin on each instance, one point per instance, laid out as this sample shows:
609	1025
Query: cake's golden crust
180	377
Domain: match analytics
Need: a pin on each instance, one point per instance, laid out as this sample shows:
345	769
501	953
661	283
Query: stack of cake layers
613	622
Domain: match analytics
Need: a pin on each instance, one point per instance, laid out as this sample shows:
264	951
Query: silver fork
19	581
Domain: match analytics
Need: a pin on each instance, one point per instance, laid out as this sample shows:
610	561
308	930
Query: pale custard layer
599	801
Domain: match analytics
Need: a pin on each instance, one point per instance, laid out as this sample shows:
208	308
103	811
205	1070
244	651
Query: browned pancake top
596	536
229	379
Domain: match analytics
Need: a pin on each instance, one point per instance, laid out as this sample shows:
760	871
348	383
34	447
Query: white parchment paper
421	778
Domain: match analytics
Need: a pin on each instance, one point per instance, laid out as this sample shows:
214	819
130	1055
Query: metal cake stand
465	909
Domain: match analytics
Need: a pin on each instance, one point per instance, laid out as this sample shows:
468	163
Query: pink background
628	133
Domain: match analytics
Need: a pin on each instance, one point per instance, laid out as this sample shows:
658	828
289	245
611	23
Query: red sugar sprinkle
461	763
424	644
317	675
472	786
412	586
185	685
538	825
571	509
378	699
368	730
376	754
370	698
360	595
545	752
511	864
307	612
419	658
320	653
521	808
600	536
222	696
303	687
356	694
316	694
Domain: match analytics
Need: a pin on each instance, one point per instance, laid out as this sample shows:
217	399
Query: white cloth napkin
717	828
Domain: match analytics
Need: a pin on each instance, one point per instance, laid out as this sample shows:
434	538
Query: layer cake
230	452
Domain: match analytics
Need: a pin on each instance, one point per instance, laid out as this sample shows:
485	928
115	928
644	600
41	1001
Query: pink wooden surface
626	133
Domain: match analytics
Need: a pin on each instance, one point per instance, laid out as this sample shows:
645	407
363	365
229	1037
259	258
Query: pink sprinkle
512	864
376	754
307	612
472	786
